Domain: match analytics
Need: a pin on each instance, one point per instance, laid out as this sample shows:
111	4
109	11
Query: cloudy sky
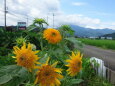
86	13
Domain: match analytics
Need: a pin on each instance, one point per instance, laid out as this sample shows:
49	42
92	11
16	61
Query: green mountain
110	35
88	32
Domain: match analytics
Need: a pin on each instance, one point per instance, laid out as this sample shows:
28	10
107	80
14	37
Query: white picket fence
102	70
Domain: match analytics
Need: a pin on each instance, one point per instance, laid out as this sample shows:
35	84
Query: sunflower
48	75
53	36
25	56
74	64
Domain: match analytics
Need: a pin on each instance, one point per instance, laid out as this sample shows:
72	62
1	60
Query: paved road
107	55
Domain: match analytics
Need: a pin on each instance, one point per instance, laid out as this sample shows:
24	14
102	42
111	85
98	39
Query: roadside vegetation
106	44
46	57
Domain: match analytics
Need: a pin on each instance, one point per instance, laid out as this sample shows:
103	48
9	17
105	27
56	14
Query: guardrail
110	75
102	70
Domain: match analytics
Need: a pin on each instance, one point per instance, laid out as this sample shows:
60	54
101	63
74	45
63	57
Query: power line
22	16
5	14
8	16
27	17
47	20
53	20
14	14
17	14
27	22
15	17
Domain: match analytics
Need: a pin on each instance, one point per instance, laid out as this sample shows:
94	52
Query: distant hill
110	35
88	32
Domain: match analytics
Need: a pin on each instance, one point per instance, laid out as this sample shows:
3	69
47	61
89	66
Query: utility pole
5	14
47	21
53	20
27	21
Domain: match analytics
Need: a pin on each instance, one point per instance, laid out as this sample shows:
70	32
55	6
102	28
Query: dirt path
107	55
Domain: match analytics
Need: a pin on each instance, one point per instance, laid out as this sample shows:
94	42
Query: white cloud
44	8
77	19
79	3
113	23
36	8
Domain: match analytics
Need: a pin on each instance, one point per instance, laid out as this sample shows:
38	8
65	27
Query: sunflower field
44	57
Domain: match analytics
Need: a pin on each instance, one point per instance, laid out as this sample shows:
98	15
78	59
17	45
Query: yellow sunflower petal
47	60
52	35
29	47
54	64
13	57
48	75
60	76
57	82
74	64
24	46
38	63
36	51
58	70
68	60
25	57
52	84
36	81
73	54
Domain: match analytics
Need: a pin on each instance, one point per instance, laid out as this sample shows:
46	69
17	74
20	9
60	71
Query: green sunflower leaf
76	81
5	79
77	44
12	75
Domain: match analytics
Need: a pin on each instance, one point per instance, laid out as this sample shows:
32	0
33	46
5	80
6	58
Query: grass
98	81
106	44
89	76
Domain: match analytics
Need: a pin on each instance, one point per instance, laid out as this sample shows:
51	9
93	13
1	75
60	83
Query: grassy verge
90	77
98	81
106	44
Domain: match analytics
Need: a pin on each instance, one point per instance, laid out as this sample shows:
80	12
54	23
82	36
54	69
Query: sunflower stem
41	44
65	80
50	49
